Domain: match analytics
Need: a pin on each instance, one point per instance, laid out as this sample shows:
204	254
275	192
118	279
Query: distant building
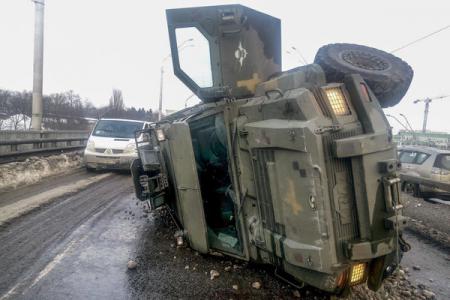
429	138
15	122
170	111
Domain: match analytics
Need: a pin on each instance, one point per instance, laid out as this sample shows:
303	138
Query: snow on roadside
33	169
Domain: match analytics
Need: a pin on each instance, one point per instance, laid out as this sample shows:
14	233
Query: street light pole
161	80
187	99
160	93
38	66
410	127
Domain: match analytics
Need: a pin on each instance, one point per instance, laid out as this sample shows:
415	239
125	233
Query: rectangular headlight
357	274
160	135
337	101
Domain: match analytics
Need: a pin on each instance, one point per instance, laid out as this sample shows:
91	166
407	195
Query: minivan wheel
388	76
416	191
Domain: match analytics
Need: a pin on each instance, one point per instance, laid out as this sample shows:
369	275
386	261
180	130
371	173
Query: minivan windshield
117	129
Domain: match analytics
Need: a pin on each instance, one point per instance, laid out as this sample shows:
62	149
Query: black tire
136	172
387	76
90	169
416	191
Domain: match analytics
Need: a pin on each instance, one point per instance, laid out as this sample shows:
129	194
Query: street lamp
410	127
179	47
187	99
398	121
302	60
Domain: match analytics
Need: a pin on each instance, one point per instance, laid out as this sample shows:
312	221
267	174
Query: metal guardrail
19	144
427	182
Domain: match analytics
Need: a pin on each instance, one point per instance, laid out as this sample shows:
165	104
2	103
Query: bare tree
116	101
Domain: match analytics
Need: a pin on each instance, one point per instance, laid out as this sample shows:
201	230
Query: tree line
65	110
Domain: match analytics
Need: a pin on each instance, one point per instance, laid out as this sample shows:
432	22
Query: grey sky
92	46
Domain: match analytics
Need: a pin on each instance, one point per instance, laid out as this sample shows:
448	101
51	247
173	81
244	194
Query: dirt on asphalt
169	272
78	246
429	220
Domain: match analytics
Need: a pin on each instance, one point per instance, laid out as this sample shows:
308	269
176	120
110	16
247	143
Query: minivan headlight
130	148
90	146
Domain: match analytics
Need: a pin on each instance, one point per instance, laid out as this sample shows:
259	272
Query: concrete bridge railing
21	143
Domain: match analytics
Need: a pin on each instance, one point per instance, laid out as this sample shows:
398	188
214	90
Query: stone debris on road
214	274
256	285
131	265
247	280
397	286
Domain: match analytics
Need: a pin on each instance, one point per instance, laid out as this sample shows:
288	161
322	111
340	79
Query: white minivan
111	144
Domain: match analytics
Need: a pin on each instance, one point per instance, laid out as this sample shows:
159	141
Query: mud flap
376	272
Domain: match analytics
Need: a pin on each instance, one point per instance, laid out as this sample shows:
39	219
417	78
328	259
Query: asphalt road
77	246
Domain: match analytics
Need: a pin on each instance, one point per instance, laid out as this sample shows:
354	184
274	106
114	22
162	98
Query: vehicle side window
443	162
407	157
413	157
421	158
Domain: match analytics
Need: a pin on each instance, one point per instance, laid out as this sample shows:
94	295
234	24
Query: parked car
111	144
428	163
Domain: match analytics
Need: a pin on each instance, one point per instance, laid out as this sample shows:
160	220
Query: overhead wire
420	39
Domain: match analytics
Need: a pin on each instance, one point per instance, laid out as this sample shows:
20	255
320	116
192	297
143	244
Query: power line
420	39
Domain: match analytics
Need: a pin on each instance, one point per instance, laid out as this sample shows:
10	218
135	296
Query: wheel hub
364	60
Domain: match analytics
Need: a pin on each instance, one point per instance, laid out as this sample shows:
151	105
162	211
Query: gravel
236	279
398	286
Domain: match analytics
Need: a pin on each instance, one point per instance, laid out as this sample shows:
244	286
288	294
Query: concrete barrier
29	142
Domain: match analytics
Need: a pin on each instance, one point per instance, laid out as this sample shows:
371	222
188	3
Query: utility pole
427	102
38	65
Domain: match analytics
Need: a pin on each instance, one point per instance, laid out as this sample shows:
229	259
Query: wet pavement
44	243
428	265
78	246
93	264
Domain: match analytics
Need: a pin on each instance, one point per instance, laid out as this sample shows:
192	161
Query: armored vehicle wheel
388	76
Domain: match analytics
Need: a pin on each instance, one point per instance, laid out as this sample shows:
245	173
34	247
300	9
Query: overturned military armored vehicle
296	169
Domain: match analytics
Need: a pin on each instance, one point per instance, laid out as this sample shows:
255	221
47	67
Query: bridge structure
16	145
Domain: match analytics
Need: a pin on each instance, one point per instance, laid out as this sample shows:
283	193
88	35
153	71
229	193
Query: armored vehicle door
223	51
187	186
